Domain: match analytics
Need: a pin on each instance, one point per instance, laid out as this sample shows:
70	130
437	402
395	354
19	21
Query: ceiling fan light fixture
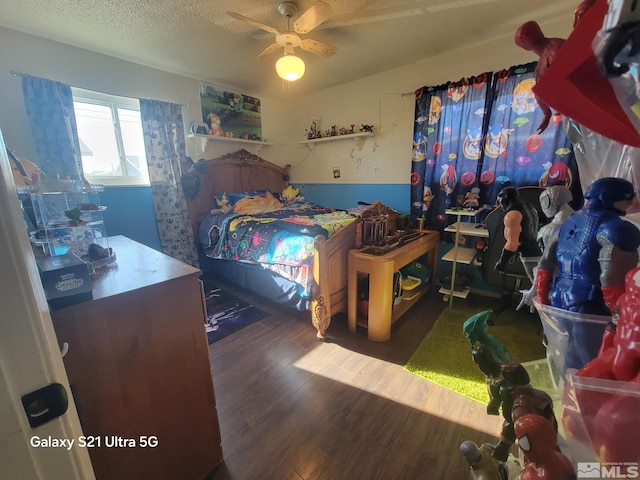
290	68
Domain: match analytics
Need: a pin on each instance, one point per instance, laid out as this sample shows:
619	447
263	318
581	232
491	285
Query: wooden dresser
138	365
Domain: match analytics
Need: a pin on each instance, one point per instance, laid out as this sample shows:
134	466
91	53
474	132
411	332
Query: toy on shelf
543	460
483	465
583	269
472	198
520	228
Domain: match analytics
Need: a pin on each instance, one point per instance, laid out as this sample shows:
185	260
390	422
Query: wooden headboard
239	171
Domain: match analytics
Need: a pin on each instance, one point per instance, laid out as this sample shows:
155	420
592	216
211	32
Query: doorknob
45	404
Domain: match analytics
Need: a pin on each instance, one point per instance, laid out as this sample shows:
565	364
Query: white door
30	357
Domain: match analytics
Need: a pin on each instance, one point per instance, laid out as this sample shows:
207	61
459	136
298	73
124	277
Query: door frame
29	355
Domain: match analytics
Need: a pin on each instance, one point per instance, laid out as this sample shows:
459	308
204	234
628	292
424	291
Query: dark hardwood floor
292	407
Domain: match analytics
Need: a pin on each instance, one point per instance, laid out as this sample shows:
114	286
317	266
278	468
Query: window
111	140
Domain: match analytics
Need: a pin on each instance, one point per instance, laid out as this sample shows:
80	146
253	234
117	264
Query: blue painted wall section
130	213
348	195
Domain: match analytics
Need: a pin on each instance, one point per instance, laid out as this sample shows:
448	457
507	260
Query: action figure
543	460
530	37
482	463
619	357
622	43
612	421
501	380
520	227
475	329
472	199
554	202
591	252
510	391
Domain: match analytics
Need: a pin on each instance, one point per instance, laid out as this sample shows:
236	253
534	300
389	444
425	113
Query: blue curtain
162	126
49	107
481	133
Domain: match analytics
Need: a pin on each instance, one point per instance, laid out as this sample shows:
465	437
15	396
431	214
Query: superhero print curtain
478	135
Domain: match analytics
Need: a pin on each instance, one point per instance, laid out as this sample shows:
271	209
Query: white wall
376	100
35	56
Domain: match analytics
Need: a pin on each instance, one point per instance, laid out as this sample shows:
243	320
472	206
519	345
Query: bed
251	229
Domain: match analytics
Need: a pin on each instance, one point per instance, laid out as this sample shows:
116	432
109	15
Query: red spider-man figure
530	37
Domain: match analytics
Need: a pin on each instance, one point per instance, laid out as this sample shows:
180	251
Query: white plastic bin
572	338
600	421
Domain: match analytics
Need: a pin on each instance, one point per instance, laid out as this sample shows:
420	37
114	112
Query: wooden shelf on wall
360	138
215	138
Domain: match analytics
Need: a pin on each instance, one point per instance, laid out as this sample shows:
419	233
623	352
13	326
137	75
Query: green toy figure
475	329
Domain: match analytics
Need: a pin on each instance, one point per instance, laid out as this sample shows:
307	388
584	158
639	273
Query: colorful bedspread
283	237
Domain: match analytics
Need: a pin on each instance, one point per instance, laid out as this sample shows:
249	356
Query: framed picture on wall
230	114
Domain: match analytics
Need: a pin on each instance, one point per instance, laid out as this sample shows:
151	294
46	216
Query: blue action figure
583	267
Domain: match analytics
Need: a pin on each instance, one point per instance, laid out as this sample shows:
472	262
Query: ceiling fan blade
314	16
253	22
318	48
271	49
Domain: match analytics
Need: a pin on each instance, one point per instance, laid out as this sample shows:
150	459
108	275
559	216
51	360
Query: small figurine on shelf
74	215
366	128
520	228
215	127
313	131
543	460
483	465
472	199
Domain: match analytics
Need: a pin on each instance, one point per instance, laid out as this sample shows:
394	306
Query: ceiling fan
289	66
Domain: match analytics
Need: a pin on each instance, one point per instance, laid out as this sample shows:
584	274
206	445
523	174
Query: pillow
261	203
225	201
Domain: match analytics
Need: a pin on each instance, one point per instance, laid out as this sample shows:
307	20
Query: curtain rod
18	74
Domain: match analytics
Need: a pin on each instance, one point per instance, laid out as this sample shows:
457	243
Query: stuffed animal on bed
224	206
290	196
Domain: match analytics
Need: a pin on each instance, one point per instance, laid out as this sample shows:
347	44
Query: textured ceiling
198	39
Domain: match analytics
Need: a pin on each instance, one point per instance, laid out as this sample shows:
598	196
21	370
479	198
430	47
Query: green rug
444	355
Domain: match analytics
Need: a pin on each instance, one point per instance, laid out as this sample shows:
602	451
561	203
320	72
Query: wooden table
380	268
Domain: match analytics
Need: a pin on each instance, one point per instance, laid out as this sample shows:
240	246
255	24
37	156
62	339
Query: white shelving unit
460	254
